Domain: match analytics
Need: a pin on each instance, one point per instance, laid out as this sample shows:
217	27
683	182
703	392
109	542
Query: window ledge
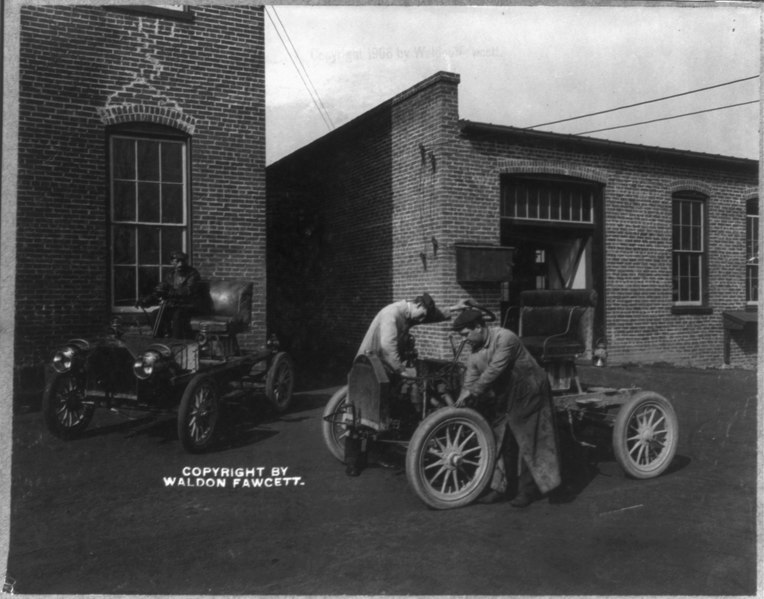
154	11
691	310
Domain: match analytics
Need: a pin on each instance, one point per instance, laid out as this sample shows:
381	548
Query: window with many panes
688	245
752	250
148	212
551	201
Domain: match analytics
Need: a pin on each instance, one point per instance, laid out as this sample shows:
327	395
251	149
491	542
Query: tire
66	415
279	382
450	458
645	435
331	425
198	414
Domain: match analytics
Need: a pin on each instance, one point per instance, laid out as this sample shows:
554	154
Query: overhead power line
303	74
667	118
687	93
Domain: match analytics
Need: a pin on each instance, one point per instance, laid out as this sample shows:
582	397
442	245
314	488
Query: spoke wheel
333	424
198	414
645	435
279	382
450	458
64	408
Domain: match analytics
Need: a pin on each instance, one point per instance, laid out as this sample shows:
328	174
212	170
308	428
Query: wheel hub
453	460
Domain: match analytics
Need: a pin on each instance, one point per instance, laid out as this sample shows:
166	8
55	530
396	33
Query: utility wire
694	91
326	112
668	118
315	98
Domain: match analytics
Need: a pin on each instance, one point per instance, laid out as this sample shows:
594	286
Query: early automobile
132	367
451	452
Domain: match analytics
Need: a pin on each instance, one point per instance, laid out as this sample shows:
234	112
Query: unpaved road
94	516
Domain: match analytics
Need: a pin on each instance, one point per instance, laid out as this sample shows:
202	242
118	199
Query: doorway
555	226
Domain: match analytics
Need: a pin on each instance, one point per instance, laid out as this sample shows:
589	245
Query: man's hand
462	304
461	402
408	373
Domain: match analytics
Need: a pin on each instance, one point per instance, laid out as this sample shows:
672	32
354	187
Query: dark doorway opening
555	224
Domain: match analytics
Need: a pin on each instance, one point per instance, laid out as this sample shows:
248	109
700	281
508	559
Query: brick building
141	131
409	198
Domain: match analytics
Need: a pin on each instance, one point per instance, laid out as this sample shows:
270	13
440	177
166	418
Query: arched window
752	250
689	248
148	207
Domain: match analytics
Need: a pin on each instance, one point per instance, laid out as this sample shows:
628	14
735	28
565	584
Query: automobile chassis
451	452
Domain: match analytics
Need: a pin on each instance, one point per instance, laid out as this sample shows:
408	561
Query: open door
555	226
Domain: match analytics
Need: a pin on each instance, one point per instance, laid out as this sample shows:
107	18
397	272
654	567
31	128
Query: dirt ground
95	516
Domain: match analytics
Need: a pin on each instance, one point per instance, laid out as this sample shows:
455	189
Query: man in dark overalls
182	290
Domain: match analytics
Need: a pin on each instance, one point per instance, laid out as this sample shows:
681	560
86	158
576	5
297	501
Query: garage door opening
555	224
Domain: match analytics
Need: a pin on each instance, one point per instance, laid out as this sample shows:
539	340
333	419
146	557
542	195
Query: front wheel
645	435
279	382
451	457
66	413
333	425
198	414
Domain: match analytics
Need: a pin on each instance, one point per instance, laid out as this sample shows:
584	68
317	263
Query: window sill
691	310
154	11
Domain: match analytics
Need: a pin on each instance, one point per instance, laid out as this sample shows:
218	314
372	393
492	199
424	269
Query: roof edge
434	79
468	127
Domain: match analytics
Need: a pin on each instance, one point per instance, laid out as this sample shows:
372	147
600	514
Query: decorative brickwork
509	167
130	113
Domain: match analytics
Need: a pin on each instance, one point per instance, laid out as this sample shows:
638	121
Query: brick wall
367	200
330	242
638	187
85	68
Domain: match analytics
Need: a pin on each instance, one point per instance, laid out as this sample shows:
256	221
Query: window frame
680	305
541	211
751	250
145	133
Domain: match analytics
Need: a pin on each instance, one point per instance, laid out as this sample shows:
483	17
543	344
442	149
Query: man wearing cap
501	367
182	289
388	333
388	337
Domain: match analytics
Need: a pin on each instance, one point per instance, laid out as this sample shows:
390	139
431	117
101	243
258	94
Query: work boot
528	491
524	499
492	497
353	456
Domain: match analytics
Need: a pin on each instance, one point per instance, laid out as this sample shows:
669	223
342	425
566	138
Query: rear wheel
64	408
333	424
451	457
645	435
198	414
279	382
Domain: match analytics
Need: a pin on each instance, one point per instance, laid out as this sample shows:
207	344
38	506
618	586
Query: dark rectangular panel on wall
483	263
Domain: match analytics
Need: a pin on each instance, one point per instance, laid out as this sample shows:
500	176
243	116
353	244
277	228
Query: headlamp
146	364
70	355
63	359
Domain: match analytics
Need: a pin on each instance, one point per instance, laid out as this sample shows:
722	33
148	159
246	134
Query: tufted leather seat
553	324
229	309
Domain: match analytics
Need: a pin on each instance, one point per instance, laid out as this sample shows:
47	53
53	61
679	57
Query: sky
522	66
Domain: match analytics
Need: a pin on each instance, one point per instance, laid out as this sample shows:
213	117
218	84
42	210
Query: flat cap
468	318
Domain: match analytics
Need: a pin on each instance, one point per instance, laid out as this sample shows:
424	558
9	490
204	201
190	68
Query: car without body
451	451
